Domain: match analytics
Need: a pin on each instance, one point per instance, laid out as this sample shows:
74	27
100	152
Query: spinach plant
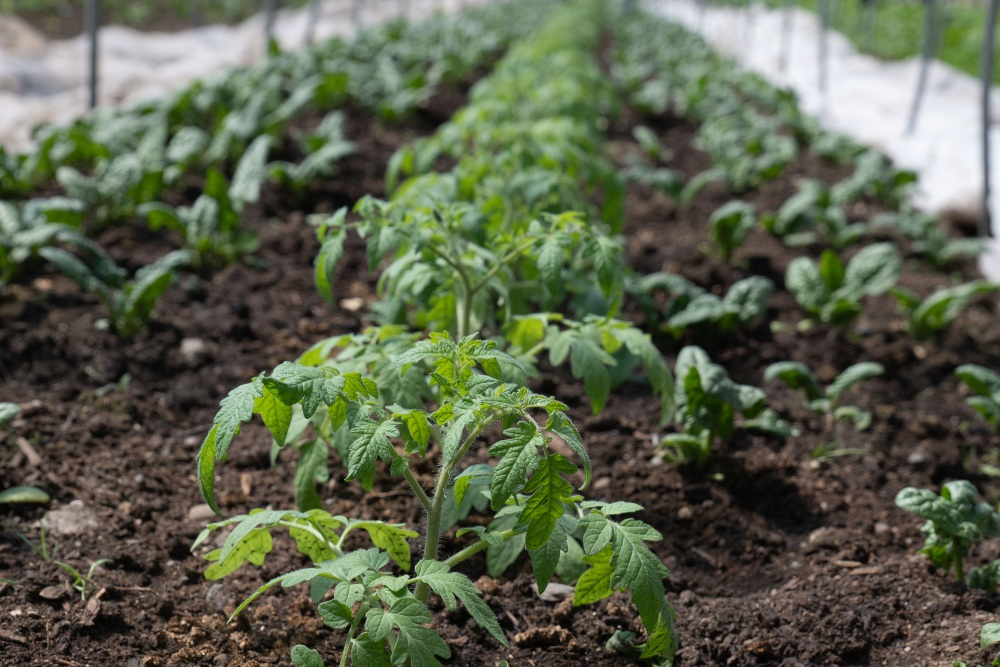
929	238
692	306
811	215
826	401
927	317
832	293
17	494
383	610
955	523
323	148
129	303
707	401
730	224
985	384
115	189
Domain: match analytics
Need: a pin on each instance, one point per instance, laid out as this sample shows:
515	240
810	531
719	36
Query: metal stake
824	19
927	54
786	35
269	18
986	69
91	19
312	21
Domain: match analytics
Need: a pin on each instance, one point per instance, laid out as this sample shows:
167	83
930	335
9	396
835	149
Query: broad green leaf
549	495
851	376
414	641
372	443
595	583
545	559
802	278
8	411
797	376
310	470
416	424
277	415
253	547
313	386
559	424
391	538
873	270
303	656
21	495
450	585
367	653
519	456
335	614
990	635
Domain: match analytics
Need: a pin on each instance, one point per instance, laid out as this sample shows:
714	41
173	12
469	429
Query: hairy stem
417	489
473	549
350	633
433	537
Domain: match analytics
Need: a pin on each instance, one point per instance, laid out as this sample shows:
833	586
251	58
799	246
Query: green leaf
519	456
590	362
802	278
595	583
234	409
546	558
306	657
335	614
549	495
313	386
252	547
330	253
559	424
851	376
797	376
310	469
450	585
417	426
22	495
367	653
277	415
478	473
391	538
873	270
8	411
990	635
414	641
372	443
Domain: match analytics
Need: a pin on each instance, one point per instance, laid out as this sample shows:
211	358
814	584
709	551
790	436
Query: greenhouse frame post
269	19
787	16
312	20
928	52
986	67
824	21
872	11
92	19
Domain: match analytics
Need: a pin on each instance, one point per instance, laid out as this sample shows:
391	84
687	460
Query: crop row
512	258
211	146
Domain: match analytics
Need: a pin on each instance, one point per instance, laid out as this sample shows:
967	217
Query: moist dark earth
777	557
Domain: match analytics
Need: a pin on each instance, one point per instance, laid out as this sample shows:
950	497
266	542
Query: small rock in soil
200	513
556	593
550	635
73	519
194	351
216	597
685	513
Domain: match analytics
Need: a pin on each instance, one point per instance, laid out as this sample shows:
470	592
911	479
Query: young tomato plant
955	523
384	611
691	306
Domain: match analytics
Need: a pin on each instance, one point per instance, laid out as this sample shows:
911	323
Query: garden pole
197	17
312	21
927	53
871	13
702	7
272	11
748	29
786	35
824	22
986	66
91	18
356	15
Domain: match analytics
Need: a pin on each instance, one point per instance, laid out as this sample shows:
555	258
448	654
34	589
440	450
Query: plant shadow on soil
787	560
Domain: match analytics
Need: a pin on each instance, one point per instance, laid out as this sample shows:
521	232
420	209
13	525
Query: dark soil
777	558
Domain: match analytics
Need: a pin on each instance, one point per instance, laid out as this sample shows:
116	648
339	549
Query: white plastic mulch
869	100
